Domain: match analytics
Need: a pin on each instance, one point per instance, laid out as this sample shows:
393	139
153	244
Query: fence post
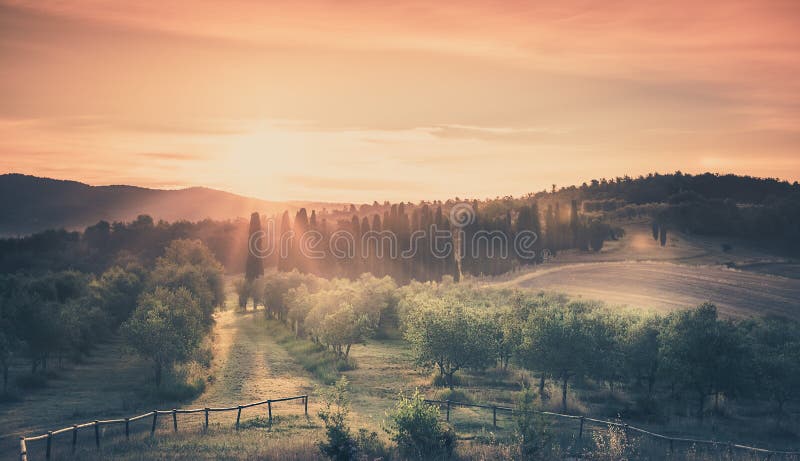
730	450
494	417
580	430
49	444
127	428
269	409
206	418
97	433
305	404
670	447
175	419
448	410
74	437
238	417
155	419
23	449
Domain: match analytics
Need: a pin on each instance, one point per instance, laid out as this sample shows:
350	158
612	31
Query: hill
31	204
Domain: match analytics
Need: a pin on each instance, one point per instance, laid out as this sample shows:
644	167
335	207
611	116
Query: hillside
31	204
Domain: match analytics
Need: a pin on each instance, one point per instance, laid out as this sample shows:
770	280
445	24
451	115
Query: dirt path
248	365
668	286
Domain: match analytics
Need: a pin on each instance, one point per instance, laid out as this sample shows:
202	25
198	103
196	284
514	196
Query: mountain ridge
30	204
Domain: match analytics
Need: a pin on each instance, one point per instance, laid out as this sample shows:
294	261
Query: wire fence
154	419
671	443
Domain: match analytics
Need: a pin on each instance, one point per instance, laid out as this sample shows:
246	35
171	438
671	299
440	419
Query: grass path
385	368
249	365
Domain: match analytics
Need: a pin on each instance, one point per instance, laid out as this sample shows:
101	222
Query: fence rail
96	424
626	427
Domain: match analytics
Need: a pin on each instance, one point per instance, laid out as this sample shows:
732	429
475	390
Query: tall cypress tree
300	228
573	222
379	264
283	242
254	267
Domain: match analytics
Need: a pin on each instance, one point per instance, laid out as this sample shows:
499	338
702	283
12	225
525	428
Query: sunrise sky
374	100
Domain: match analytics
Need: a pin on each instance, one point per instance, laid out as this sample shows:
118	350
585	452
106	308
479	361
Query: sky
372	100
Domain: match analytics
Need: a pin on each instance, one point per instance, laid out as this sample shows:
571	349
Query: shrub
612	445
340	444
414	425
529	428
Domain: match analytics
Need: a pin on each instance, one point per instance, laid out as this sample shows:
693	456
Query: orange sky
372	100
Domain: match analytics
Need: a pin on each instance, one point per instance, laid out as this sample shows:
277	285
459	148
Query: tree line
162	310
422	244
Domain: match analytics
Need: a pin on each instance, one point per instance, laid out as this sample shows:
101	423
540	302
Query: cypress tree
254	267
300	228
312	221
379	265
573	222
284	244
355	228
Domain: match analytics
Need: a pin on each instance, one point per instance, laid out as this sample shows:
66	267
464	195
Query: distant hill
30	204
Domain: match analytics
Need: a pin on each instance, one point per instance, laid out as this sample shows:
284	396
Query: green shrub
340	444
414	425
529	427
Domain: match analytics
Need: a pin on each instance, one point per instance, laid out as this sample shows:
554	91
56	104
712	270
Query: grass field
637	272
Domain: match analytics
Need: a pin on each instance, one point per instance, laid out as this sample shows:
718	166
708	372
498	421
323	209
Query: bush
414	425
529	427
340	444
612	445
453	396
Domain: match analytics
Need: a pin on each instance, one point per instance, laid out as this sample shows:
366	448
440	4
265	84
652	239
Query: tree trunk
347	352
541	387
158	374
564	393
700	403
779	416
450	380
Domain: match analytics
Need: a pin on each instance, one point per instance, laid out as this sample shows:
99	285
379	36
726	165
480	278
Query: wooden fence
730	447
153	416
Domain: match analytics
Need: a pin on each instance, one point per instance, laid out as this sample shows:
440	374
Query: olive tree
449	335
777	361
702	353
559	342
165	328
190	264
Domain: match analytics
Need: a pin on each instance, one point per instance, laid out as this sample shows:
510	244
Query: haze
361	101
